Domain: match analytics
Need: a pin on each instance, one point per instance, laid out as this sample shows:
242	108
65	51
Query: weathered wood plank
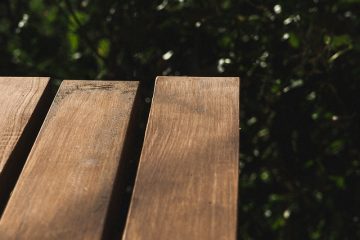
187	182
65	188
24	102
19	97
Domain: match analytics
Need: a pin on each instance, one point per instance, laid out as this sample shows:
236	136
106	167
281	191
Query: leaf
341	40
294	40
336	146
104	47
36	5
73	41
339	181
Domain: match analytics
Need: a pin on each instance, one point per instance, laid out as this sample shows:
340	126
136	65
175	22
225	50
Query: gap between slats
18	157
127	170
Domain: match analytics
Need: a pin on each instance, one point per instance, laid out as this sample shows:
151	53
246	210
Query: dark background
299	69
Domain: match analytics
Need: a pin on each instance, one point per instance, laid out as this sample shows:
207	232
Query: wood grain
19	97
187	182
66	185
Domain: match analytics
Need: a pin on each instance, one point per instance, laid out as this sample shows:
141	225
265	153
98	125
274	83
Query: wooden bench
70	165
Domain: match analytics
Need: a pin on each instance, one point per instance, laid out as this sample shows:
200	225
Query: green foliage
299	69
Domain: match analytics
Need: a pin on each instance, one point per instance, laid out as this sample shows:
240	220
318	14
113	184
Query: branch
69	9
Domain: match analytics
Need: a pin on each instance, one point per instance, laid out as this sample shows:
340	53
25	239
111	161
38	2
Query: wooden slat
19	97
66	185
187	181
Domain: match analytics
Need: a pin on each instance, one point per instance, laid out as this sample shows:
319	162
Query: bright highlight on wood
187	181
